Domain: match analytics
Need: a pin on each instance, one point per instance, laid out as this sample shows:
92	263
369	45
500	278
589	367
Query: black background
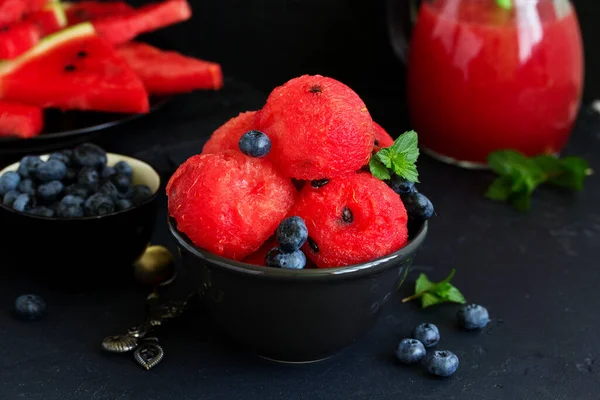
536	272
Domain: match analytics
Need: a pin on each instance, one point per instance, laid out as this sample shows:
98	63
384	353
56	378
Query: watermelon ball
400	185
278	258
10	197
89	155
382	139
41	211
122	167
418	206
319	127
292	234
28	165
228	203
27	186
70	207
255	144
9	181
98	205
23	202
140	194
49	192
352	219
227	137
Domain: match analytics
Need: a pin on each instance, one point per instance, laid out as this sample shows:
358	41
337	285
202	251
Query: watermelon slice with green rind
73	69
20	120
123	28
84	11
49	20
14	10
168	72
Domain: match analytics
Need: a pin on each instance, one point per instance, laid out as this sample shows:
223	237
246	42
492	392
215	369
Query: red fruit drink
482	78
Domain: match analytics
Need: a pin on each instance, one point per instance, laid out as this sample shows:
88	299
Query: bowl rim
350	271
73	220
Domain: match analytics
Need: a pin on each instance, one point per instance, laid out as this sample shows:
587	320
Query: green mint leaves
432	293
506	4
400	159
519	176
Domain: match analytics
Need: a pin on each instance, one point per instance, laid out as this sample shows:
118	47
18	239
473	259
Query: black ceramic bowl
291	315
80	250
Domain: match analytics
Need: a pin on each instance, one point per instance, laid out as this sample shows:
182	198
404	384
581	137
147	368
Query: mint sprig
519	176
432	293
506	4
399	159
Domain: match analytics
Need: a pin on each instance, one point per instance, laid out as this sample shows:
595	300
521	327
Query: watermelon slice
49	20
168	72
20	120
123	28
15	10
17	38
90	10
73	69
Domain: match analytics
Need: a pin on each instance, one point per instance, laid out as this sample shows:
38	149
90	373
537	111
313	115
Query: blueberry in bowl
64	220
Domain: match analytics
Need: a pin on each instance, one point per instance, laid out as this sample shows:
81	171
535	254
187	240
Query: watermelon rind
47	44
59	12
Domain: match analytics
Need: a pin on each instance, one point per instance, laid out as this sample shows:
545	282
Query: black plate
64	129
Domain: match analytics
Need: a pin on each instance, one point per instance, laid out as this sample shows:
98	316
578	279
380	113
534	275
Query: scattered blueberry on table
72	184
442	363
410	351
428	334
473	316
30	307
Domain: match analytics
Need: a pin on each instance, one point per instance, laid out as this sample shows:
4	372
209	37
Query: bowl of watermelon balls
299	221
69	70
77	216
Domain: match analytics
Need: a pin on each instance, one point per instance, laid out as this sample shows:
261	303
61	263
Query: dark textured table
536	272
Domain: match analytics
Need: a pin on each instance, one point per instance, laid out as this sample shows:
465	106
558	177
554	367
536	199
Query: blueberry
10	197
292	234
27	186
107	172
9	181
140	194
418	206
410	351
123	204
41	211
401	185
122	167
473	317
89	177
98	205
78	190
70	207
28	165
89	155
126	194
428	334
110	190
121	181
255	144
60	156
30	307
280	259
23	202
49	192
51	170
71	175
442	363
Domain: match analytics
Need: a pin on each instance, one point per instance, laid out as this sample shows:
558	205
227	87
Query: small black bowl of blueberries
77	215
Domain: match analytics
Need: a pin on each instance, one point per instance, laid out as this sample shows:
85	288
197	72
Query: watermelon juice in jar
486	75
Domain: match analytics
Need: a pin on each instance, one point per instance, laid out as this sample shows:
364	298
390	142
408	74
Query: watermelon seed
5	28
313	245
316	89
319	183
347	215
69	68
82	54
376	142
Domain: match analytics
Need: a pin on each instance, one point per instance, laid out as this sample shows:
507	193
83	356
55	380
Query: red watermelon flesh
15	10
123	28
168	72
73	69
20	120
90	10
49	20
17	38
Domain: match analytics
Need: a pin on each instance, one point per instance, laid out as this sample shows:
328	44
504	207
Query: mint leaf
506	4
520	176
432	293
378	170
399	159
